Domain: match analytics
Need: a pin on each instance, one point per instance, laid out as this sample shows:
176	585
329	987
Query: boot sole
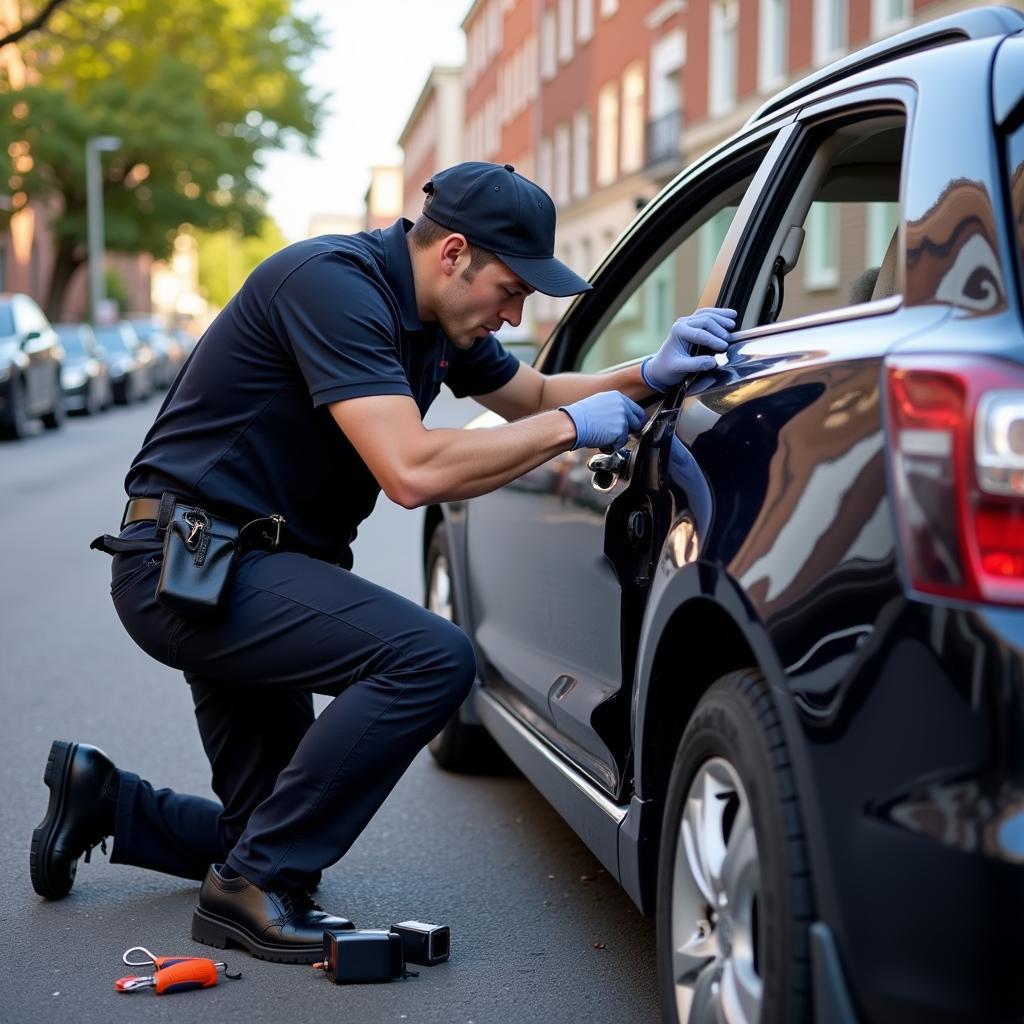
58	768
215	931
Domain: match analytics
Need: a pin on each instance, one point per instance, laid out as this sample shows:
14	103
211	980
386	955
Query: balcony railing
664	135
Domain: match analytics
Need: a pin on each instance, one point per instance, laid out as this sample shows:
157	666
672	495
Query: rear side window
6	320
836	244
1015	166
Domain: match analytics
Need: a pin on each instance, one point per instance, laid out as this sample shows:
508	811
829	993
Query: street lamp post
94	214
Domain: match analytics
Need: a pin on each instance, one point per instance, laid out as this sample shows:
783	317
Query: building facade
603	101
432	136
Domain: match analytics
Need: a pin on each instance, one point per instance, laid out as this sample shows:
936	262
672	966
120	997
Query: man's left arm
530	391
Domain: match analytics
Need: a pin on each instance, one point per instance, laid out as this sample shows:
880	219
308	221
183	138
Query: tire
460	746
17	425
734	894
54	419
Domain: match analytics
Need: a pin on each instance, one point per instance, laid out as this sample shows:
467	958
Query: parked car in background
168	354
85	376
768	659
186	339
30	366
131	363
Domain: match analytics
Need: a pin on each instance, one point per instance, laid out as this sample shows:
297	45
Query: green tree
226	257
195	90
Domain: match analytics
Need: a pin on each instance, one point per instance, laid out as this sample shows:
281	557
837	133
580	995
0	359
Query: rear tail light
956	430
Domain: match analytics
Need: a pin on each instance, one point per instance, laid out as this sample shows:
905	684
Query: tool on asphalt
172	974
422	943
363	955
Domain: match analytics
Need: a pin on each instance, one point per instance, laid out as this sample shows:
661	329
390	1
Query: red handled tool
172	974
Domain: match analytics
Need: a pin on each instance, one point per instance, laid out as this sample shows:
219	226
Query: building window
565	30
822	248
584	20
609	7
581	154
883	220
562	145
548	41
725	19
608	133
829	29
773	44
888	16
633	84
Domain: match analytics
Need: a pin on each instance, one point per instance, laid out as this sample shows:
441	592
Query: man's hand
604	420
707	328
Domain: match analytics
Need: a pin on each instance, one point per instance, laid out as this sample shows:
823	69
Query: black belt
264	532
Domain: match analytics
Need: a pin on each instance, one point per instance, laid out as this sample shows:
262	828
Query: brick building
603	101
432	136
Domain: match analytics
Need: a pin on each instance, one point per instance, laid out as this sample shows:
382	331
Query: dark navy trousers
295	791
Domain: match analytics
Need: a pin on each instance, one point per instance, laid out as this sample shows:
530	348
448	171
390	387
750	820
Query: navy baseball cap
507	214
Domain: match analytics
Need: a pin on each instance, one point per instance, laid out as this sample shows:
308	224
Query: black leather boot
272	924
79	816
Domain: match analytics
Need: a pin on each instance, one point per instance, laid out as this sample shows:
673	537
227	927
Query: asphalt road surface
539	930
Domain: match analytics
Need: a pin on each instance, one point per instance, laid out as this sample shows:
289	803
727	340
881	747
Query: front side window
668	288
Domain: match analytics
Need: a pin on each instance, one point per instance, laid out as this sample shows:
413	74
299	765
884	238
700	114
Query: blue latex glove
707	328
604	420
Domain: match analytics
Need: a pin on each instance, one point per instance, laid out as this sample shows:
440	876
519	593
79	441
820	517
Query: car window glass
1015	168
111	339
30	316
71	339
837	242
669	290
6	320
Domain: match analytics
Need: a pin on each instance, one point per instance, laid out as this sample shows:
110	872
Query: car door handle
609	467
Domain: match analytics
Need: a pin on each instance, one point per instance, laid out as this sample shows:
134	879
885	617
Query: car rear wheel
459	746
55	418
734	896
18	419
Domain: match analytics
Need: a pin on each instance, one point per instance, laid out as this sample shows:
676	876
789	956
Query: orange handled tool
172	974
180	976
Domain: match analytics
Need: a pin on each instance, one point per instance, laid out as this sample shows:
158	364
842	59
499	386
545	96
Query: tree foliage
226	258
194	89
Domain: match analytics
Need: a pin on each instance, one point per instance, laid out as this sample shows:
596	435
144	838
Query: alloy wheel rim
716	884
439	593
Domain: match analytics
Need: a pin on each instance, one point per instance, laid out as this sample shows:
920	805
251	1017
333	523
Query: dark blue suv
767	659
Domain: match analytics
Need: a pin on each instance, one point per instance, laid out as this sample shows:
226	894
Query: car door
557	568
33	336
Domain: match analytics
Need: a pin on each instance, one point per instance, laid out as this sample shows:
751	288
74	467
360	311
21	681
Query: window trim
654	230
894	98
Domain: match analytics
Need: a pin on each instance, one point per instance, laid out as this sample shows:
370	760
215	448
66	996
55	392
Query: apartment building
603	101
432	136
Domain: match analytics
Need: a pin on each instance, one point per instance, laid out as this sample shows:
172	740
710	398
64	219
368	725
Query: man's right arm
417	466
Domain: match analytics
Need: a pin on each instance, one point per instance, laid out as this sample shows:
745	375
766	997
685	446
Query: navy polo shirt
245	431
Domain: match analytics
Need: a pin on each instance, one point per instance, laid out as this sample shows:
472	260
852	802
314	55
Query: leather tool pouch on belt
199	556
199	559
